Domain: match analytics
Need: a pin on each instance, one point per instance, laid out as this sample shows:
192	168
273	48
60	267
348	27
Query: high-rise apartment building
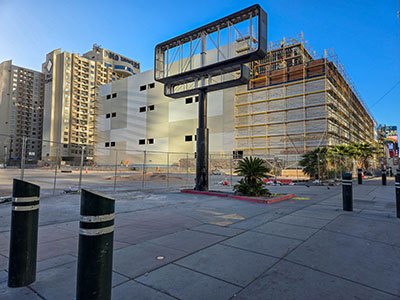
71	81
21	113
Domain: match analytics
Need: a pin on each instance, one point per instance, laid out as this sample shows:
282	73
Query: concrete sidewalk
218	248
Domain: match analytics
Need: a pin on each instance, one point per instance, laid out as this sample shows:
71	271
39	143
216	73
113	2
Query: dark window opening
143	88
114	95
151	85
112	144
142	109
188	138
151	107
108	97
107	116
142	142
196	99
150	141
189	100
237	154
114	114
107	144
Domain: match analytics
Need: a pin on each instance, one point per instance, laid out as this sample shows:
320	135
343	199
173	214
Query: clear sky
364	33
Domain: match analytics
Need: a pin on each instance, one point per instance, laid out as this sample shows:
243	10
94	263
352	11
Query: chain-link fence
60	167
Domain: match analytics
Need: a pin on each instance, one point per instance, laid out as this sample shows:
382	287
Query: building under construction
296	102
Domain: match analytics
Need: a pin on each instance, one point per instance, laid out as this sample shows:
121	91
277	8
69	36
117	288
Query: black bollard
24	234
397	184
347	192
383	176
95	254
359	175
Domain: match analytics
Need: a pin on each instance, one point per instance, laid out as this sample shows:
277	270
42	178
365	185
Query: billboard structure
210	58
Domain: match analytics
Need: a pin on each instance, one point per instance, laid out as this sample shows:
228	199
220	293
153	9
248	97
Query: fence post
24	234
115	169
397	185
23	157
347	192
187	168
55	169
230	166
144	168
95	251
80	171
167	169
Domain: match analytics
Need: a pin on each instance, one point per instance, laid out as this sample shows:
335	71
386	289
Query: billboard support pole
202	145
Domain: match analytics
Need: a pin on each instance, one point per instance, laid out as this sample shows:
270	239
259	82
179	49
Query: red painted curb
248	199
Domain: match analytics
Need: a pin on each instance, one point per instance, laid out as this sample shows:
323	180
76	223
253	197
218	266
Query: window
65	146
107	116
150	141
196	99
151	107
237	154
108	97
142	109
142	142
188	138
143	88
114	95
107	144
151	85
188	100
112	144
114	114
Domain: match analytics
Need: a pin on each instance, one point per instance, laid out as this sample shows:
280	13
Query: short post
383	176
390	172
23	157
359	174
24	234
397	185
95	251
347	192
80	171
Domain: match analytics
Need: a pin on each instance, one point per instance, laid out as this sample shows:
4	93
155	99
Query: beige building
71	83
21	113
294	103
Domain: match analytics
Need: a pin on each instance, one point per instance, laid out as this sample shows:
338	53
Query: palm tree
254	170
361	152
339	155
315	162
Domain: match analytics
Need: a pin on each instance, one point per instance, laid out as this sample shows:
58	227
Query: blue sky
364	33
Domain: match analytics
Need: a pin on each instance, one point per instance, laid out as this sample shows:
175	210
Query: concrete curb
243	198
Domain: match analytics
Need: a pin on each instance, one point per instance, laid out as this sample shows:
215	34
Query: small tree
310	163
254	170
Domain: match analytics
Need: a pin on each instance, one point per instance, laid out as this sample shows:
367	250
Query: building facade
71	83
21	113
294	103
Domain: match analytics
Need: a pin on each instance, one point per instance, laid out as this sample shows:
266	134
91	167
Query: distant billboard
392	137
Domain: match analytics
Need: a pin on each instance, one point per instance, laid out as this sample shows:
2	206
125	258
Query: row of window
149	86
113	95
143	108
109	144
112	115
190	100
143	141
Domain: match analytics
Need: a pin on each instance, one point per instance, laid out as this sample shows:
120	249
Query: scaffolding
296	101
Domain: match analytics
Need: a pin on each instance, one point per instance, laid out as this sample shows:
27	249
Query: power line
387	93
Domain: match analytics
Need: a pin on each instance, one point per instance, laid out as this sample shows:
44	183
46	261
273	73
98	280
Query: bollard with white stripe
347	192
95	254
397	184
359	176
383	176
24	234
